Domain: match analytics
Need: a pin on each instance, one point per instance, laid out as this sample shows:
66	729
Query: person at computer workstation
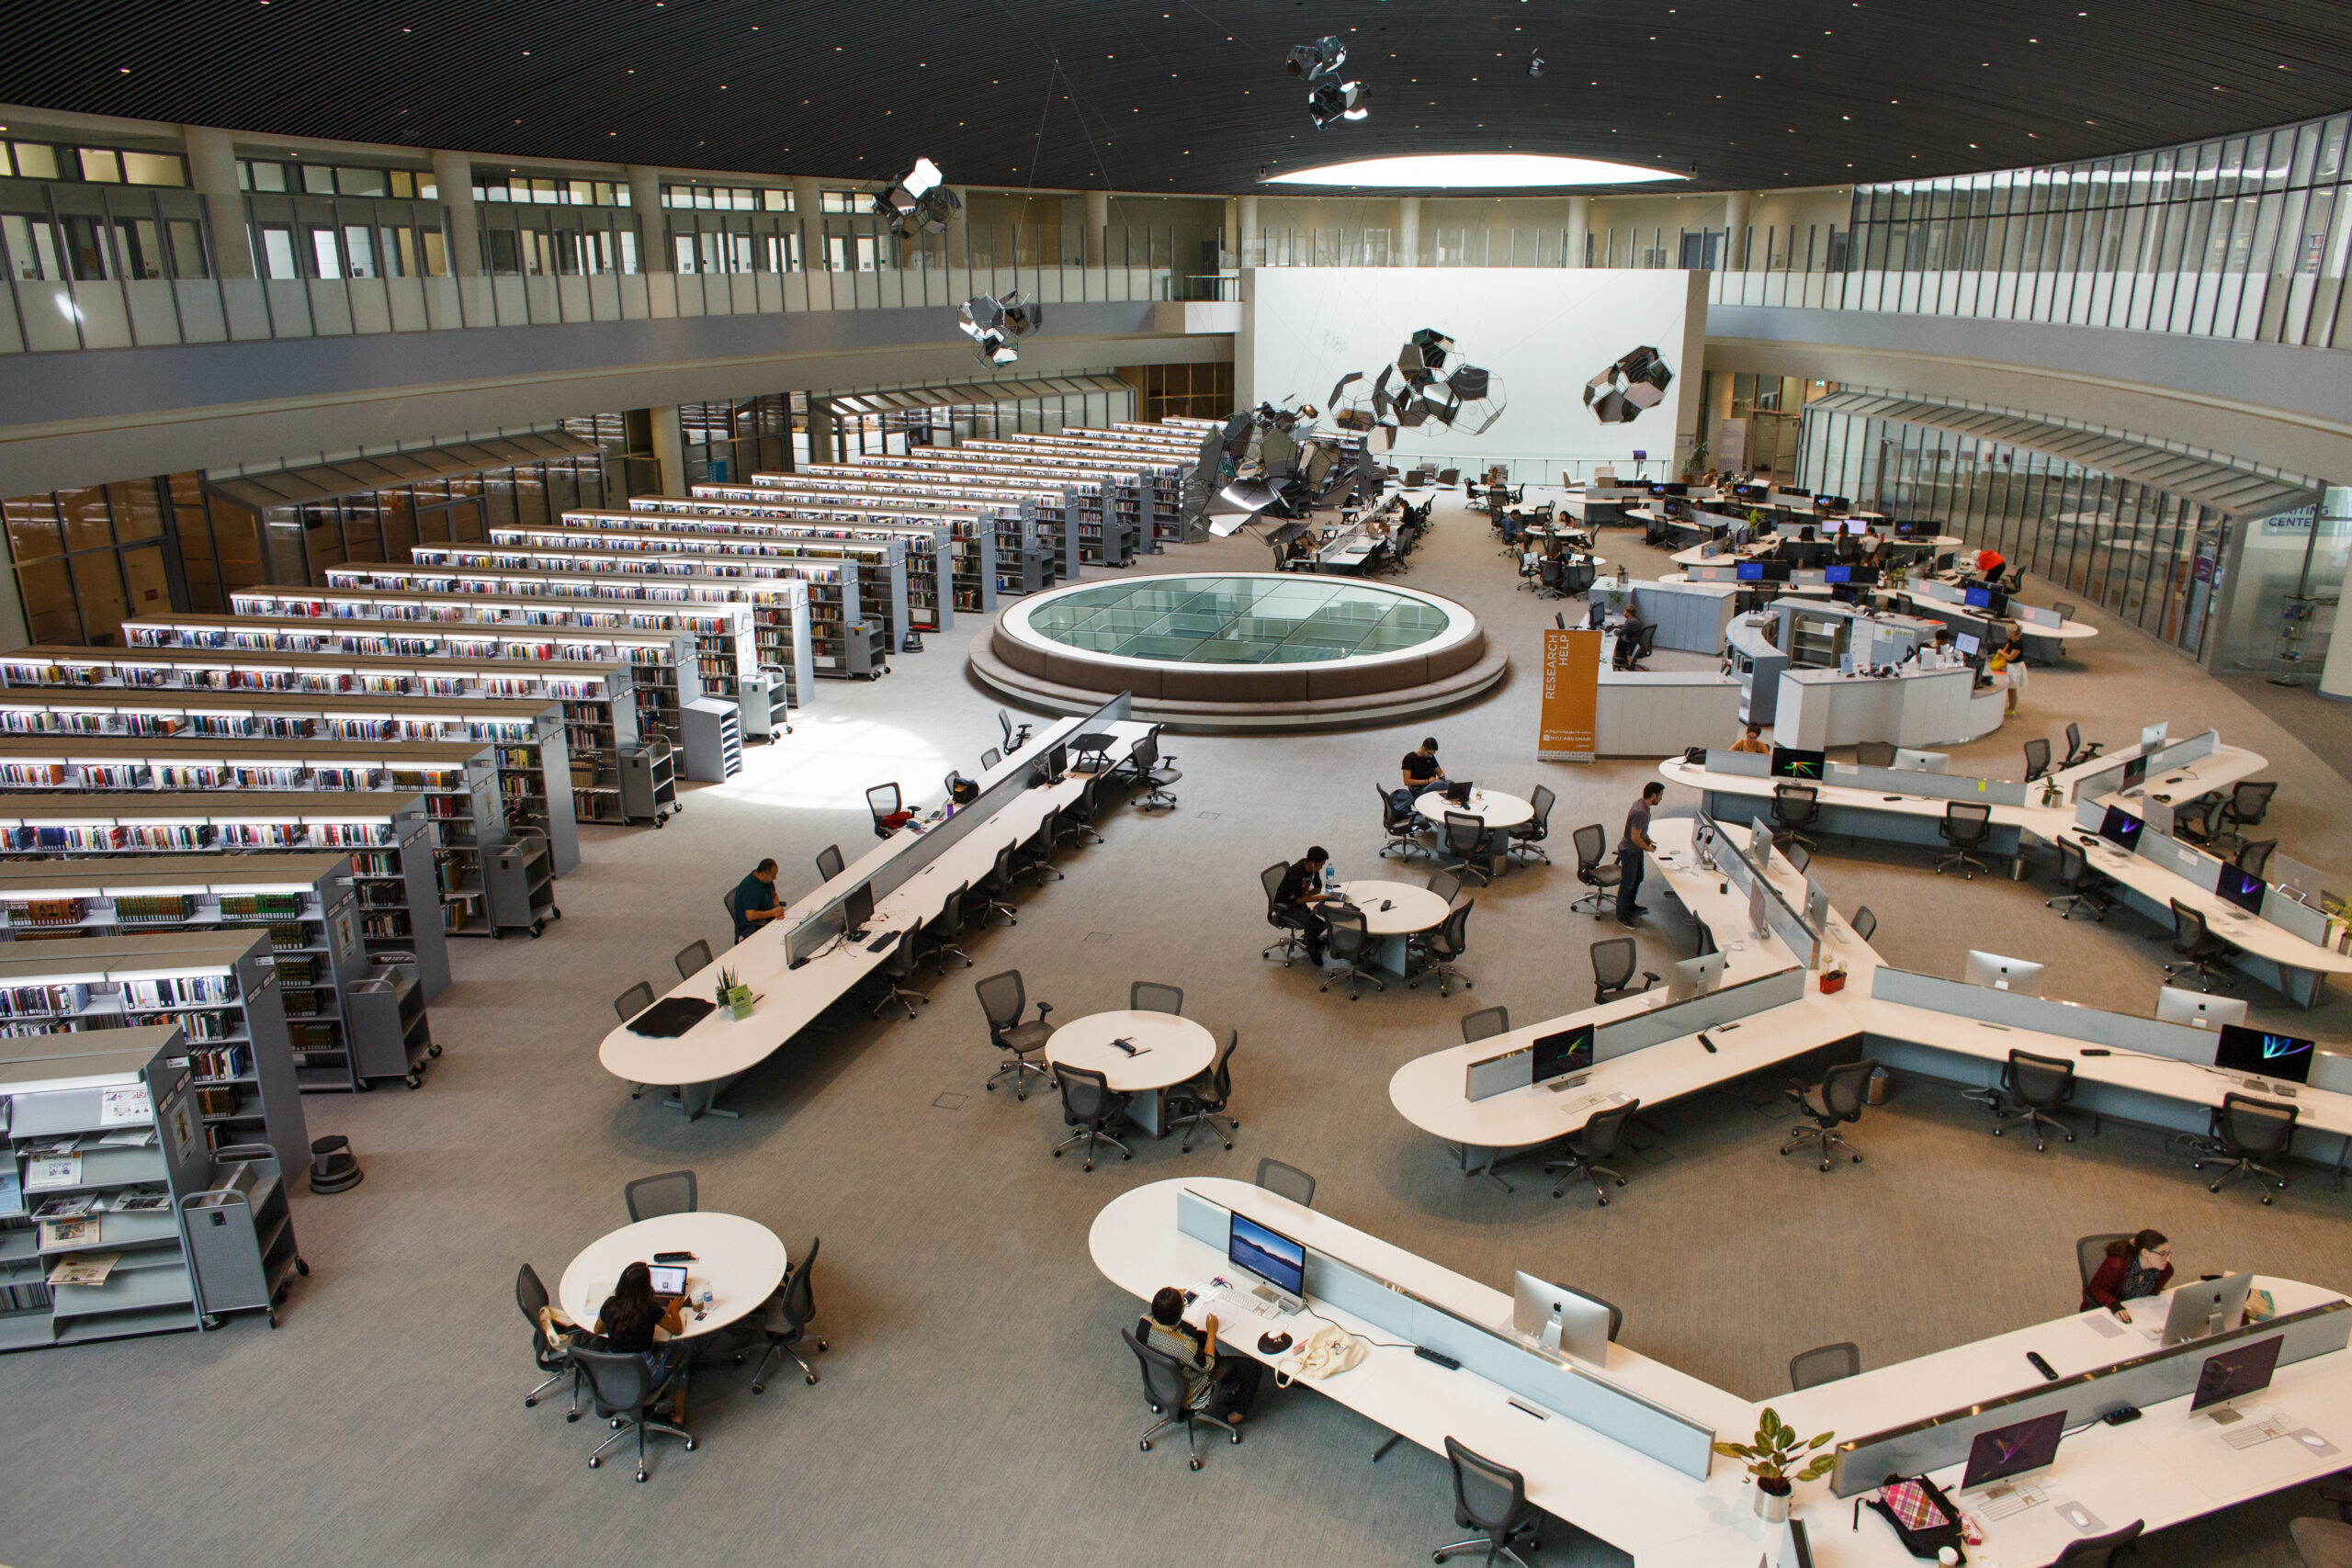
755	902
629	1321
1753	741
1629	628
1420	770
1206	1373
2135	1267
1988	566
1631	849
1300	892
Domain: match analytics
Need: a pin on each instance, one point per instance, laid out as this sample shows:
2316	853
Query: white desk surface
720	1046
740	1261
1416	908
1170	1049
1694	775
1495	809
2248	933
2063	632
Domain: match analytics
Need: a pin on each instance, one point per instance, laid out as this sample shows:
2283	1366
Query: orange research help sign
1571	695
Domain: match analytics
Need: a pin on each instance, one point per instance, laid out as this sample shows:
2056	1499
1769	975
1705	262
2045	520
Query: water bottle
1331	877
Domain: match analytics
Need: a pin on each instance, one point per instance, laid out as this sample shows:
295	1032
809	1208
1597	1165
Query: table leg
1144	1110
1391	955
699	1100
1478	1160
1382	1451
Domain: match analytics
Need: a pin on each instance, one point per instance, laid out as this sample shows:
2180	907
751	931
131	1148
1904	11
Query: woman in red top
2135	1266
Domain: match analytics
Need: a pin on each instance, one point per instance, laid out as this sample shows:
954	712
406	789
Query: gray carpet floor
977	1404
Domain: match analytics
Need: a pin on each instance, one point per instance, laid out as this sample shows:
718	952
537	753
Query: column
1736	211
1248	231
1098	224
808	203
958	238
653	251
1408	232
212	170
452	178
668	445
2336	675
1579	230
820	429
1230	241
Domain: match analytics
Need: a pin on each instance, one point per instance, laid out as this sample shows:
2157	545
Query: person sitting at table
1420	769
1301	891
1753	741
2135	1266
1206	1373
755	902
1629	638
629	1321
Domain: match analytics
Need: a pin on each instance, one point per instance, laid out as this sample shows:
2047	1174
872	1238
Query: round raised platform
1247	650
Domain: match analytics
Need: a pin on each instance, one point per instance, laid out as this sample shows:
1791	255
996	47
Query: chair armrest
1043	1008
2342	1498
1648	979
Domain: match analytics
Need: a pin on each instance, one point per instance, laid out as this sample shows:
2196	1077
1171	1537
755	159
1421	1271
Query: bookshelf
935	537
218	988
1107	496
306	905
1163	463
525	735
388	837
1036	509
984	548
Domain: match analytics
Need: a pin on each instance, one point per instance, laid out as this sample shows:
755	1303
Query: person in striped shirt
1205	1372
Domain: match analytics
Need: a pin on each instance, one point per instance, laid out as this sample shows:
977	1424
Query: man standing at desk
755	902
1631	850
1421	771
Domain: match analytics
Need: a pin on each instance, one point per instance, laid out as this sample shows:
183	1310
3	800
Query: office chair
2254	857
1836	1102
994	889
941	934
1865	924
1280	918
882	800
1965	825
693	956
2325	1543
1577	579
2075	751
829	863
1613	970
1200	1102
1447	478
1150	996
1874	755
2202	953
621	1386
2037	759
531	1296
1002	999
1485	1024
634	1001
784	1321
990	758
1399	824
1823	1363
1014	736
1550	580
1798	856
1287	1180
2246	1132
1076	821
1169	1392
1491	1499
1598	1140
2090	1251
1087	1105
1152	771
2249	802
1445	884
1442	947
906	953
648	1197
1466	839
2199	821
1034	856
1795	806
1351	943
726	902
2083	883
2033	1089
1592	843
2100	1551
1527	839
1634	647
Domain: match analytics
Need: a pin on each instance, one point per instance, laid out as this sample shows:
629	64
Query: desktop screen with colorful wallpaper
1810	767
1271	1255
2244	1050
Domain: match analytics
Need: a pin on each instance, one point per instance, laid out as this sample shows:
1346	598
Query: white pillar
1249	256
1098	223
1579	228
453	180
1736	211
212	170
1231	244
668	446
807	205
1409	230
654	253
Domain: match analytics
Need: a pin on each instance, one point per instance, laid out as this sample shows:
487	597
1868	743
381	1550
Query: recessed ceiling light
1477	171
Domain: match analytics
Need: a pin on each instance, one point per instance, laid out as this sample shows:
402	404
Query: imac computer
1791	763
2006	1452
2197	1010
2205	1307
2135	773
2153	736
1694	978
2120	827
2284	1058
1906	759
857	910
1979	598
1564	1060
1751	571
2238	1372
1271	1257
2243	889
1836	575
1559	1319
2003	973
1968	643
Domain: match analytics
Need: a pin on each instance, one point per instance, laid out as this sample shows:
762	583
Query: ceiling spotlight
918	199
1619	394
1535	66
992	324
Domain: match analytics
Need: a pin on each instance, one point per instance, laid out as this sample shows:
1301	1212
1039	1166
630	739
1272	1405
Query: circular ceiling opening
1475	171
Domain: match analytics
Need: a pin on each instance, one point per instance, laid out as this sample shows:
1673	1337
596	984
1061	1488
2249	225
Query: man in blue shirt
755	900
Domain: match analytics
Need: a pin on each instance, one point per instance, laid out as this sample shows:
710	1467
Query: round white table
1169	1050
1500	812
740	1261
1412	910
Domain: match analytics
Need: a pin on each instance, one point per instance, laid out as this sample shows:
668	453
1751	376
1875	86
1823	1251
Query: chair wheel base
1195	1464
812	1381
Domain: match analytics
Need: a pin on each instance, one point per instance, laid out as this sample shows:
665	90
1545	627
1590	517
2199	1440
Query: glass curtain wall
725	442
86	559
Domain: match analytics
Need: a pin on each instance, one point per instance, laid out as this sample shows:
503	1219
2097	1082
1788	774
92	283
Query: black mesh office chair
1200	1102
2084	887
785	1317
1287	1180
991	894
1075	822
2037	759
1351	943
1280	916
1874	755
1465	841
1795	806
1527	839
2201	952
1865	924
1152	996
2100	1551
2247	1133
906	955
693	956
634	1001
990	758
2090	1251
672	1192
1087	1105
1598	1140
1168	1391
1965	825
942	932
1151	771
2254	857
1400	825
2033	1089
1485	1024
531	1296
1003	998
1613	970
1797	855
1601	876
1491	1499
2248	804
1445	945
1445	884
2075	751
882	801
1823	1363
1015	737
1837	1101
622	1386
829	863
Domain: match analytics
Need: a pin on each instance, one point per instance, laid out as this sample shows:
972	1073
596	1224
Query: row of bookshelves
929	535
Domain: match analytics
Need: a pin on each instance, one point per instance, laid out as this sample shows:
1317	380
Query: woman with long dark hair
628	1320
2135	1266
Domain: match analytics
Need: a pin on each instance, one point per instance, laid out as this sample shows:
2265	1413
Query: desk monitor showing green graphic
1788	762
2283	1057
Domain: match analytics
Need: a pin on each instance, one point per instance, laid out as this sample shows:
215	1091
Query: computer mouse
2074	1515
1274	1342
2310	1439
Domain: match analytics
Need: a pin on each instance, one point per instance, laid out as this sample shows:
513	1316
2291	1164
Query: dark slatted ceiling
1190	96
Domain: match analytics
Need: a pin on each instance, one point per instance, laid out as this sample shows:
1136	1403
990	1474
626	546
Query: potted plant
733	995
1776	1449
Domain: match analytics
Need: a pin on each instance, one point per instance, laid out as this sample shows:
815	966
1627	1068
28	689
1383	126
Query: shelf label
125	1106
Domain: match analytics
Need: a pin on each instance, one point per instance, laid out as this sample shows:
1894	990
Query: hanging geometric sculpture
1430	383
992	324
1619	394
1328	97
918	199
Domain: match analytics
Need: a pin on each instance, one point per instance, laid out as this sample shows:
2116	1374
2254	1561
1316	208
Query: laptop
669	1281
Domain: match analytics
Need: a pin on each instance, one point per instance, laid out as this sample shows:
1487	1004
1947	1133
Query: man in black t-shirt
1420	770
1301	890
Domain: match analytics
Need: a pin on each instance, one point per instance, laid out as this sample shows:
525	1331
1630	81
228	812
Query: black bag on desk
1923	1541
670	1017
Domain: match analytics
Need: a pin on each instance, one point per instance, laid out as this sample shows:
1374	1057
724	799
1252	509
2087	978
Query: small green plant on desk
1770	1457
733	995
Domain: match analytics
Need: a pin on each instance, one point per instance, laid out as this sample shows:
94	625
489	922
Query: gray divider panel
1943	1439
1933	786
1958	998
1659	1025
1783	922
1501	1074
1489	1350
2173	754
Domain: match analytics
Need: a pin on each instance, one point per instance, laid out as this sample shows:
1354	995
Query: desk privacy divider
1866	1461
2108	775
1783	922
2195	865
1490	1351
1887	780
2015	1009
1680	1020
1020	773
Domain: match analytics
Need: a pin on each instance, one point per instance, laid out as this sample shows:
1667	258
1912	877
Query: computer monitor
2243	889
1838	574
2177	1006
1752	492
1904	530
1568	1052
1808	767
1856	527
2153	736
1560	1319
1968	643
2006	1451
2119	827
2003	973
2236	1372
2135	773
1911	760
1979	598
2203	1308
858	908
1694	976
1269	1254
1057	762
1775	571
1862	574
2284	1057
1751	571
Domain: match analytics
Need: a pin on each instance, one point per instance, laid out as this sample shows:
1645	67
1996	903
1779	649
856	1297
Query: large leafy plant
1777	1448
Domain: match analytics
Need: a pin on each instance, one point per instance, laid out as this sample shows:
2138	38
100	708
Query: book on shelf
140	1200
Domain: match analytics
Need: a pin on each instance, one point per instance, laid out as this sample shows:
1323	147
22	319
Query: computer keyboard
2004	1505
2250	1434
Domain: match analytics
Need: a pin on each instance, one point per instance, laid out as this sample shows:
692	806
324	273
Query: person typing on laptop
1420	770
2135	1266
1205	1372
630	1320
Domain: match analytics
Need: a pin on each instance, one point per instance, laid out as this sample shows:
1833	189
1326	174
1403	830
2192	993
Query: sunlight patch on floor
827	763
